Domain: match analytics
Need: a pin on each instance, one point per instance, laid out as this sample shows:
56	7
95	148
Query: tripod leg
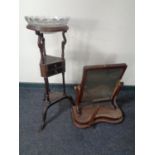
63	80
47	101
46	89
44	115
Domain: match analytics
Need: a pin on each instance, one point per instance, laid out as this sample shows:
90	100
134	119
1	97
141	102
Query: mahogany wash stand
49	66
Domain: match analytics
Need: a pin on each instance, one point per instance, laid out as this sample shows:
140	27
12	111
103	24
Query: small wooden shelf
52	60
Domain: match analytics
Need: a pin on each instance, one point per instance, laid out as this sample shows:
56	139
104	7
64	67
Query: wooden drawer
52	69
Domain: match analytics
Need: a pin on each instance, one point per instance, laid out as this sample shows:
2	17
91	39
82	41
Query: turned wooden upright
51	65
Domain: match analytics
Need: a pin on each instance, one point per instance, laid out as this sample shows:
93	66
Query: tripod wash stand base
50	65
